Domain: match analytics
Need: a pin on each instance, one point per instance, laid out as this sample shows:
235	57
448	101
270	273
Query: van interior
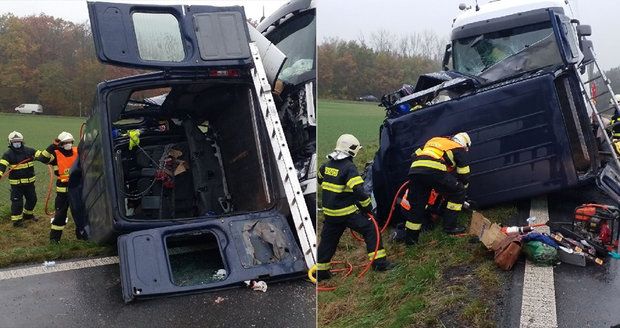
188	150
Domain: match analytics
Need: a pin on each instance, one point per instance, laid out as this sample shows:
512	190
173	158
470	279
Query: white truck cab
29	109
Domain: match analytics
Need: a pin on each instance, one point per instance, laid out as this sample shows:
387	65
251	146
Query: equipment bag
540	253
507	251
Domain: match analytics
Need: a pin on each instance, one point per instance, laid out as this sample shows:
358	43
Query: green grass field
360	119
31	244
442	282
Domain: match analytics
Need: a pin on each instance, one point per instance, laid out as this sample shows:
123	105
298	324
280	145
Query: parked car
29	109
368	98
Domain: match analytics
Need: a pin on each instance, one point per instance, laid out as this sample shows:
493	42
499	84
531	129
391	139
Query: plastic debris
219	300
49	264
220	274
614	255
256	285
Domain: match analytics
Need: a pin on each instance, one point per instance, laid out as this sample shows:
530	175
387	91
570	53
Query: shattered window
297	40
473	55
195	259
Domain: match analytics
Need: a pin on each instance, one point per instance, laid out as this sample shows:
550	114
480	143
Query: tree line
377	65
384	62
49	61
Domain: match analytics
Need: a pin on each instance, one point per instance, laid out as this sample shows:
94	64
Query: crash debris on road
591	236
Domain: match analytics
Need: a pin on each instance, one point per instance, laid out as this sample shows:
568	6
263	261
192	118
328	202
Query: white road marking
538	308
64	266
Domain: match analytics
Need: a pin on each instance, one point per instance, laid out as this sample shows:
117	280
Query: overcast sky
348	19
75	10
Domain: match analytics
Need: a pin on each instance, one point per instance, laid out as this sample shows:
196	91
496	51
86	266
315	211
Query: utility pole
80	104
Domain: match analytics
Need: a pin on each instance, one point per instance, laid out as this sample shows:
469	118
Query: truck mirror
584	30
446	57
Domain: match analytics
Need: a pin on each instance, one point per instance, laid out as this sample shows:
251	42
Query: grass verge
442	282
31	244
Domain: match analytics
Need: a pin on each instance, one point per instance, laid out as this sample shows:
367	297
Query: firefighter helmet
65	137
15	137
348	144
462	138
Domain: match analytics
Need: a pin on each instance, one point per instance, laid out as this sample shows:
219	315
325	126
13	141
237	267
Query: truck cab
178	165
512	80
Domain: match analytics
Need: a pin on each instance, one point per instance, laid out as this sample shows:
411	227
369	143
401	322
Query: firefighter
61	154
432	168
343	198
19	159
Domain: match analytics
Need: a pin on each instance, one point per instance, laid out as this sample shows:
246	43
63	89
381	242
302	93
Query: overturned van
515	86
189	165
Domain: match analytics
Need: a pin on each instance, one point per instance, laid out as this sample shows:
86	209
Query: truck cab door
169	37
565	37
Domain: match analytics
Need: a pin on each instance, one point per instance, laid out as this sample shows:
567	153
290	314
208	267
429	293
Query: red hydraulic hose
389	218
374	222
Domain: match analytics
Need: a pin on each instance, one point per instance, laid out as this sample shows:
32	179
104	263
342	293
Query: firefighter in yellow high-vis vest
433	167
61	154
344	200
19	160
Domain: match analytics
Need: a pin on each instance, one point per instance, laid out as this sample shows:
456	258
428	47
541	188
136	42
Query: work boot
323	275
411	237
19	223
397	234
382	264
30	217
55	236
455	230
81	234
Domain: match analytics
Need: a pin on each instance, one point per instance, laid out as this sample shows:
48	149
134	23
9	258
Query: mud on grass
442	282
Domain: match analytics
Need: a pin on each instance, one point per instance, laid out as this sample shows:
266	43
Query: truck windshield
297	39
510	51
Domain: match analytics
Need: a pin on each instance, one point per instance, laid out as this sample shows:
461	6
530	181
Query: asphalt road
585	296
590	296
91	297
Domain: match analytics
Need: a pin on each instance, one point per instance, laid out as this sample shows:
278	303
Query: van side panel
520	145
94	193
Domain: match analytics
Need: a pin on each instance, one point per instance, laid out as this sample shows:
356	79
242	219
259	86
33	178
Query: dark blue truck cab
515	88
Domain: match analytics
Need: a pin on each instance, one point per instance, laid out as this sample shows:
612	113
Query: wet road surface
590	296
91	297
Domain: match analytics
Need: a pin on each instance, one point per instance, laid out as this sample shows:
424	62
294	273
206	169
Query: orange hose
49	190
82	130
374	222
389	218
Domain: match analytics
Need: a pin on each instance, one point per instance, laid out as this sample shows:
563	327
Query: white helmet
611	100
15	137
348	144
65	137
462	138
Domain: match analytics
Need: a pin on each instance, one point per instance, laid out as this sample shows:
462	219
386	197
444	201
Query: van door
169	37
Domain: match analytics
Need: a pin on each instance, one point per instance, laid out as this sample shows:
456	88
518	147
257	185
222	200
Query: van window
158	37
22	106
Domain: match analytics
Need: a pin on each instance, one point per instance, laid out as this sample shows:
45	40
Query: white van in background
29	109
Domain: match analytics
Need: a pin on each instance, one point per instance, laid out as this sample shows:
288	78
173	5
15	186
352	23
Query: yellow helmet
462	138
348	144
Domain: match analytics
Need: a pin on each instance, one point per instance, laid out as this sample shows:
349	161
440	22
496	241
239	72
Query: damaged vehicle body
187	165
515	87
292	29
